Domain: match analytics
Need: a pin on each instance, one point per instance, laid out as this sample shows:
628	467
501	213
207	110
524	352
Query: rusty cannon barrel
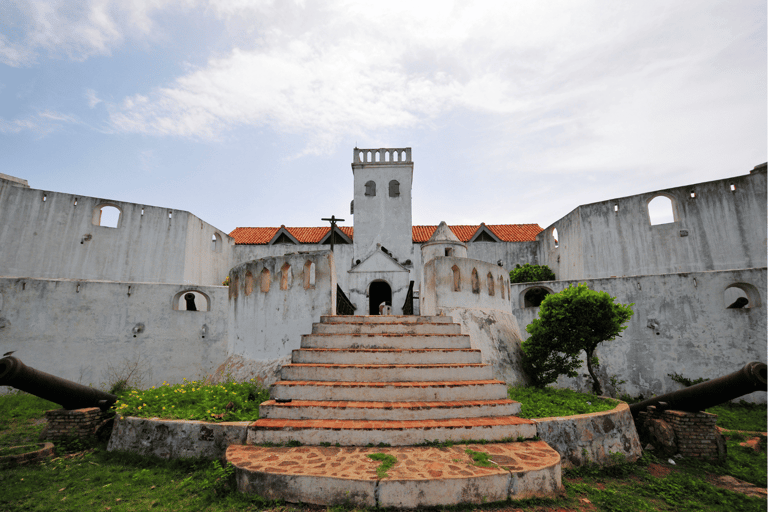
68	394
713	392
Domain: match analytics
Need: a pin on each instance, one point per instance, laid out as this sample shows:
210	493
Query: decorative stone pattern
175	439
422	476
592	437
692	434
80	423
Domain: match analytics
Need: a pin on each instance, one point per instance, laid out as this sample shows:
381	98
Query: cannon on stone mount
752	377
68	394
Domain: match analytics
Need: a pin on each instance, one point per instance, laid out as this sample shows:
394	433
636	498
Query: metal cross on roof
333	220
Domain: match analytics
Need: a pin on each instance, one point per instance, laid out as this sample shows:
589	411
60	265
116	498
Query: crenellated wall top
381	156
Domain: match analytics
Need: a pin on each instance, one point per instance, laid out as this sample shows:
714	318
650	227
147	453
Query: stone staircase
398	380
392	382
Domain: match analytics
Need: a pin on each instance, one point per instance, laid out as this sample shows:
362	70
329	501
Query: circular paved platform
422	475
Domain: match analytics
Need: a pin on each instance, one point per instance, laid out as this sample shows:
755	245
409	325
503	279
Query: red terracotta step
386	355
331	409
385	372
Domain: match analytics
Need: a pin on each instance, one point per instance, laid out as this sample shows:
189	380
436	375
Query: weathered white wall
265	326
723	229
52	235
86	331
510	253
486	318
680	325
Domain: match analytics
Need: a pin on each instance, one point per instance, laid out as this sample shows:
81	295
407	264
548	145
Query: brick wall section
695	432
80	423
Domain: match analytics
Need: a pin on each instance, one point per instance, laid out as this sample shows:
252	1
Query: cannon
752	377
68	394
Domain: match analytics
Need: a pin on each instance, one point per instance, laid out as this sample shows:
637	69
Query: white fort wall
55	235
481	305
272	302
681	325
718	225
94	331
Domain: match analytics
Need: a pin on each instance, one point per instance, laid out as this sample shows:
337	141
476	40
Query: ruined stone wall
272	302
92	332
718	225
680	324
483	312
52	235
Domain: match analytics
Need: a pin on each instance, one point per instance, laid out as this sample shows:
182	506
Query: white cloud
93	100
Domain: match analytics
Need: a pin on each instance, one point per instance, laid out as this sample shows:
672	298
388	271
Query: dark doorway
378	292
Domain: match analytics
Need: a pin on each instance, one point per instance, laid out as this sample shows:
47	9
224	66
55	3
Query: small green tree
573	320
531	273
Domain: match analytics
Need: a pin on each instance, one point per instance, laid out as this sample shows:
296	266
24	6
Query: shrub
573	320
530	274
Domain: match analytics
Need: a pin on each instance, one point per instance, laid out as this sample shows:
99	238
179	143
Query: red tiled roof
505	232
256	236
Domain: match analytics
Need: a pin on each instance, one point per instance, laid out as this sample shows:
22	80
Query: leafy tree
573	320
531	273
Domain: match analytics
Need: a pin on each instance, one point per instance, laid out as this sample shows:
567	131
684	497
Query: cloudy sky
245	112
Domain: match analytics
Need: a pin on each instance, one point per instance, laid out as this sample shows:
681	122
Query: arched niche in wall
662	209
309	275
475	281
191	300
264	280
286	276
501	286
248	283
370	188
107	215
216	242
456	278
741	296
491	284
532	296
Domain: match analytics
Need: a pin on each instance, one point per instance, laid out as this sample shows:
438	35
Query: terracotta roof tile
260	236
505	232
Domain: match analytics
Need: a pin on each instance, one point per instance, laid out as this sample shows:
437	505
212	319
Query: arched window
370	188
491	285
661	210
741	296
475	281
107	216
248	283
456	278
265	280
191	300
533	296
216	242
286	276
394	188
555	237
309	275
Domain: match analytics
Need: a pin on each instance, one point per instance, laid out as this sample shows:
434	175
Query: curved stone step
386	355
331	409
386	372
381	328
390	391
393	433
420	477
385	341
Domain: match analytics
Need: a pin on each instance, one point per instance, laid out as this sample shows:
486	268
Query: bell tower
382	202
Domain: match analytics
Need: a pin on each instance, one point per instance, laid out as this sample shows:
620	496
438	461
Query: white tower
383	232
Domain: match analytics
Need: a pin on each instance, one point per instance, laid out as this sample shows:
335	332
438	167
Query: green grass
741	416
543	403
194	400
481	459
22	417
387	461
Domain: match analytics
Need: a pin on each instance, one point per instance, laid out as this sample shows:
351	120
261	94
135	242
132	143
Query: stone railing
382	156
